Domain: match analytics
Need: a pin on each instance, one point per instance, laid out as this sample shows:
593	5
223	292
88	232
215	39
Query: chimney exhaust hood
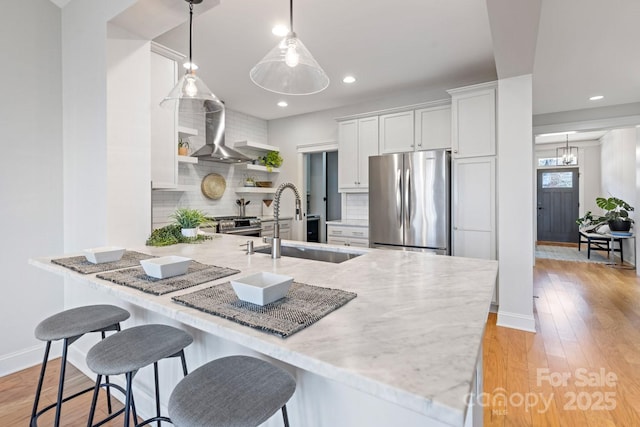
215	149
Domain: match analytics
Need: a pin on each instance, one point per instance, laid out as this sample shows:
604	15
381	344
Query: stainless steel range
241	226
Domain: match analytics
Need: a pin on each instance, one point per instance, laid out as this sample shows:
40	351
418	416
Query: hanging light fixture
567	155
289	68
190	93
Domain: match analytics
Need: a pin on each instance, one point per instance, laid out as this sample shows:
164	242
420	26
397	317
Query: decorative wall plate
213	186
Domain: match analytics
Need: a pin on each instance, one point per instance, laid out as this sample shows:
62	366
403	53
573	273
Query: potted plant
271	160
189	220
183	147
617	215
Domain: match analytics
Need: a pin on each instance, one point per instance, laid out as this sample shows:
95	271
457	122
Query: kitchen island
403	352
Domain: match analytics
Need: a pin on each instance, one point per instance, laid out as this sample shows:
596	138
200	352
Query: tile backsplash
238	127
356	206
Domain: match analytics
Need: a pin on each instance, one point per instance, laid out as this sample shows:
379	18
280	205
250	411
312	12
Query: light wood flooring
587	317
588	329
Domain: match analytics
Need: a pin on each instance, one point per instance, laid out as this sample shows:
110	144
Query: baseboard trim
516	321
26	358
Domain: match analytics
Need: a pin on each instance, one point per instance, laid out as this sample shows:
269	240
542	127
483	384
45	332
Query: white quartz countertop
412	336
349	222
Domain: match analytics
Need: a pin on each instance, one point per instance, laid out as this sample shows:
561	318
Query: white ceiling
388	46
576	49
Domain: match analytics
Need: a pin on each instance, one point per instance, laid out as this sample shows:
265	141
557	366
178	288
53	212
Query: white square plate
262	288
103	254
166	266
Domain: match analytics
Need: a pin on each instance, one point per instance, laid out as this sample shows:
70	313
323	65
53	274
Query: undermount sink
313	253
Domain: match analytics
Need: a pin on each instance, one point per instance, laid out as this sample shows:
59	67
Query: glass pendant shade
192	96
290	69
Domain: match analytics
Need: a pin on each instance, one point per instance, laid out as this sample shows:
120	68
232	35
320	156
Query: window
557	180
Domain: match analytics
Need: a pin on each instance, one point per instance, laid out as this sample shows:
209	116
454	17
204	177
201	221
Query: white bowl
104	254
166	266
262	288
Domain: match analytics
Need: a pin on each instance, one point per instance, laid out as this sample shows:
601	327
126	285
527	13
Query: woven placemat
81	265
303	306
196	274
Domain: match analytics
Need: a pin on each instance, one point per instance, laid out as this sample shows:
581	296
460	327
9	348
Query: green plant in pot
189	220
617	215
271	160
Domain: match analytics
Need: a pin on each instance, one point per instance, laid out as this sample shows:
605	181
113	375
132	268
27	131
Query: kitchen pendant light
190	93
289	68
567	155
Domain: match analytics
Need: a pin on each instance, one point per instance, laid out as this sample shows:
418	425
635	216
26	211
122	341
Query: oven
240	226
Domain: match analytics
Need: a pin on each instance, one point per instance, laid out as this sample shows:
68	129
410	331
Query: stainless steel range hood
214	149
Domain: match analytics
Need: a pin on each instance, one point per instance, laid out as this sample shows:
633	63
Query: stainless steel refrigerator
409	201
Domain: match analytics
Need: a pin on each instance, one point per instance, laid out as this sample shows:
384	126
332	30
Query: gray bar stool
239	391
69	325
128	351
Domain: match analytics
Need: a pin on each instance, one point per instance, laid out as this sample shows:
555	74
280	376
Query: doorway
558	205
323	202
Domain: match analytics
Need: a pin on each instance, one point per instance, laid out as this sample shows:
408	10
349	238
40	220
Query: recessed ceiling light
596	98
282	104
280	30
349	79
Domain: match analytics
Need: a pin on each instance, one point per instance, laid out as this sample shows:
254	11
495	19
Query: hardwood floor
588	323
17	392
588	329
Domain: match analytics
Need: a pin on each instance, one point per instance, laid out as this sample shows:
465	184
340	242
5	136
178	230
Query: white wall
515	203
618	179
128	138
30	174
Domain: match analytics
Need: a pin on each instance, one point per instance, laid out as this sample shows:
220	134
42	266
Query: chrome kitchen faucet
275	243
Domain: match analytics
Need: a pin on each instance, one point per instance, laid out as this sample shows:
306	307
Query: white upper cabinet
357	140
164	165
433	128
396	132
473	127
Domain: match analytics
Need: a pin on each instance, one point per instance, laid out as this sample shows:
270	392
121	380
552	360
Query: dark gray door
558	202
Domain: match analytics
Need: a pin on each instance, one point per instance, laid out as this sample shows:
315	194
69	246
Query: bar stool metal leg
284	416
40	381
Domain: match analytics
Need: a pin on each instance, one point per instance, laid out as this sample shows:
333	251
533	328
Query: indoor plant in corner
617	215
189	220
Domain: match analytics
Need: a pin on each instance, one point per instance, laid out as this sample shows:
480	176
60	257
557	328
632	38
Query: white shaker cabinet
433	128
474	207
348	235
164	165
473	127
357	140
396	132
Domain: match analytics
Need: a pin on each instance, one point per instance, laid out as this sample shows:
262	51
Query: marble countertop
412	336
349	222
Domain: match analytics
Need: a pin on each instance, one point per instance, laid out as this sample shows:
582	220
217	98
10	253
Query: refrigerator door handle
407	198
399	195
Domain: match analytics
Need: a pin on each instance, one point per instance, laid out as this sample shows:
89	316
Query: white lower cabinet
473	200
347	235
285	228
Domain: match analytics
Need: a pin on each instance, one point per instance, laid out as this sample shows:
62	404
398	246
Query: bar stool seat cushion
135	348
79	321
231	391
